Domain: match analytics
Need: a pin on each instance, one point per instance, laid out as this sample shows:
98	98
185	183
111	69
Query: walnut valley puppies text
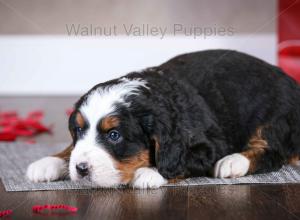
147	30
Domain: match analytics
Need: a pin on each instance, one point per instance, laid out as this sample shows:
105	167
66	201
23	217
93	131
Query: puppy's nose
82	169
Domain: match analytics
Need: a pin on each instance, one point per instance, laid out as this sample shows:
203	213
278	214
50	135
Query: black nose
82	169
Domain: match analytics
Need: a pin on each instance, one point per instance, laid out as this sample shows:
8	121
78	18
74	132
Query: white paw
147	178
46	169
234	165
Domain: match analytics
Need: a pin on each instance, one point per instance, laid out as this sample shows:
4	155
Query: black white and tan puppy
214	113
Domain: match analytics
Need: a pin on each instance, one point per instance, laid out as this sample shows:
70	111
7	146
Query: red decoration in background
5	213
12	126
289	37
289	60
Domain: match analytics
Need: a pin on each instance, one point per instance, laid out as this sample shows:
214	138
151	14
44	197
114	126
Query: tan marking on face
109	122
127	167
79	119
257	145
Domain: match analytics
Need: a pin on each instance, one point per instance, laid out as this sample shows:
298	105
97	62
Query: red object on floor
5	213
289	37
12	126
39	208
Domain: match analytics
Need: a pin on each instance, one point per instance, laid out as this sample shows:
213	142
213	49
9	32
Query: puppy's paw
46	169
234	165
147	178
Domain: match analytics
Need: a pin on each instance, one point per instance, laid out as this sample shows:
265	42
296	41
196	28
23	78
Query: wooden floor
203	202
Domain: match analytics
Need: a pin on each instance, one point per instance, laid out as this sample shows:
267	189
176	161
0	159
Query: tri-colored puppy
217	112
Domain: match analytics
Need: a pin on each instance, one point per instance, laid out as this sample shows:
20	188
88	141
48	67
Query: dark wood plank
208	202
234	202
286	195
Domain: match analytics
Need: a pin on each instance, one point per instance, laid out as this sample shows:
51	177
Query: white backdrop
60	65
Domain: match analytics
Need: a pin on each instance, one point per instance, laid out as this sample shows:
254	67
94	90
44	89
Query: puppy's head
110	142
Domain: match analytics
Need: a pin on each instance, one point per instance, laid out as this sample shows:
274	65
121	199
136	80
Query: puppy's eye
78	131
114	135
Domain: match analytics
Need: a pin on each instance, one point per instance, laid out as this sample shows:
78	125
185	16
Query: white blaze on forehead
101	102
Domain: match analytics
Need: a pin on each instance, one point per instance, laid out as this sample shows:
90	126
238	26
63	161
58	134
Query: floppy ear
178	154
170	153
147	122
71	126
167	146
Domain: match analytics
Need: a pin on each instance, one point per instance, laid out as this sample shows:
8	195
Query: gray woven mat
15	157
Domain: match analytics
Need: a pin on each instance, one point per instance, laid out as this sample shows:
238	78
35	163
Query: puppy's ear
168	147
71	121
72	125
147	123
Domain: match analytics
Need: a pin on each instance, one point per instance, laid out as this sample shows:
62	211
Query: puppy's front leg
50	168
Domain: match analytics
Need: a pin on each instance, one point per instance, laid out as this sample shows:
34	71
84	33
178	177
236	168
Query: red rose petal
5	213
12	126
39	208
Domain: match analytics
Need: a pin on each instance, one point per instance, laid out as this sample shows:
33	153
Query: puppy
214	113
